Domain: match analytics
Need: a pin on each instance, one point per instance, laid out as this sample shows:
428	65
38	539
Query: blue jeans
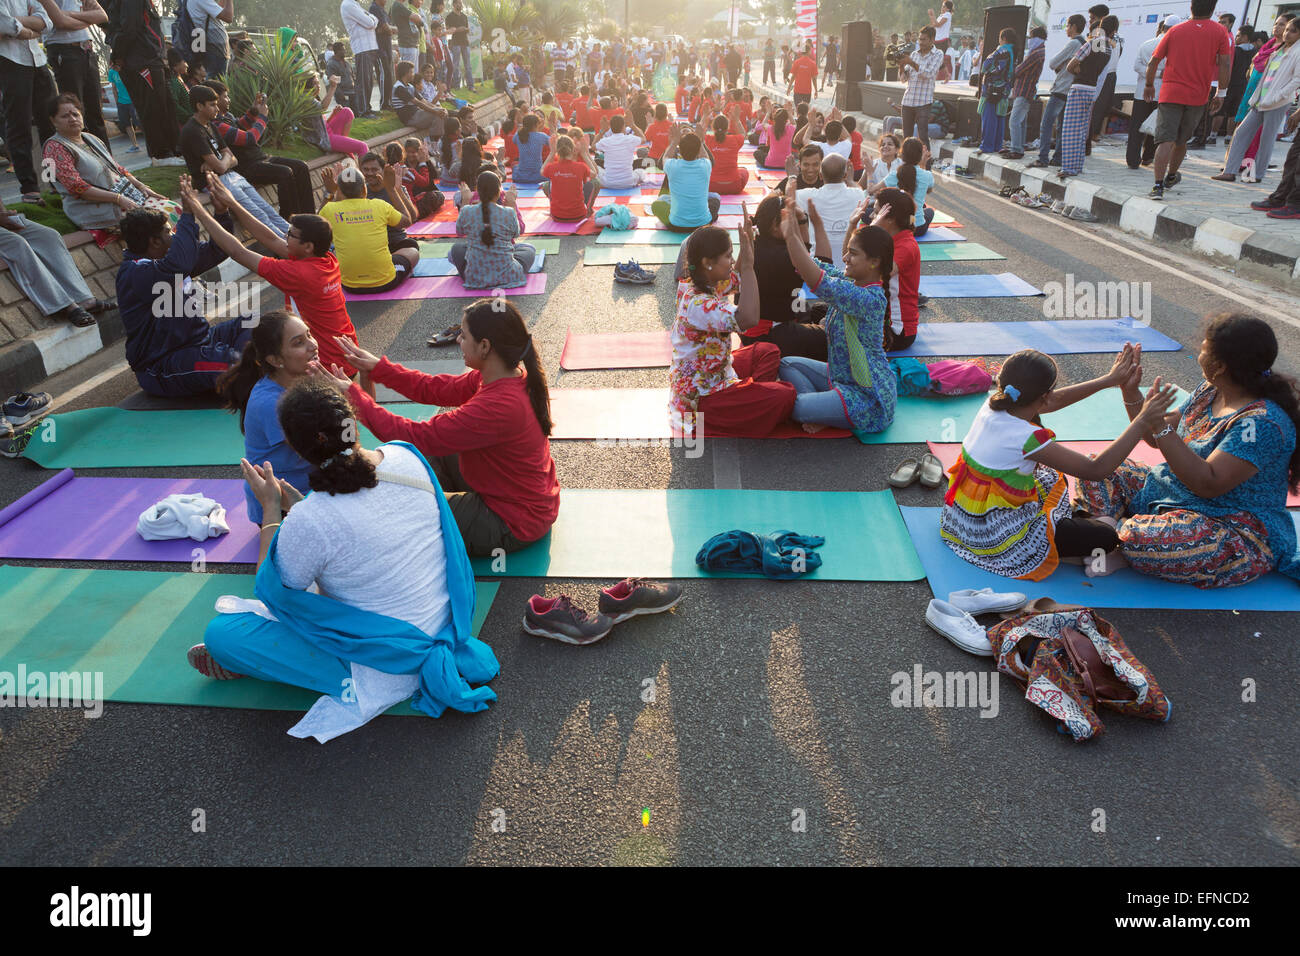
247	196
818	402
1019	119
461	54
1052	110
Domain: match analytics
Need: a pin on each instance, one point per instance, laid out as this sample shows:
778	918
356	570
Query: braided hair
321	426
489	187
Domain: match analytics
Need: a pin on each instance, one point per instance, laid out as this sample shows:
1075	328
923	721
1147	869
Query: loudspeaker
997	19
855	51
968	117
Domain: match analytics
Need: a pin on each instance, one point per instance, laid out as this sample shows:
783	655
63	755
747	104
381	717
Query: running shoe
204	663
448	336
630	272
22	408
1157	191
14	443
634	596
1264	205
1173	179
1284	212
562	620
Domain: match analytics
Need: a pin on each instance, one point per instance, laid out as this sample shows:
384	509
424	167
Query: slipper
101	305
908	470
33	199
931	471
447	336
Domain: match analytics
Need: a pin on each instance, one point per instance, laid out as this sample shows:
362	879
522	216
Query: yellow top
361	240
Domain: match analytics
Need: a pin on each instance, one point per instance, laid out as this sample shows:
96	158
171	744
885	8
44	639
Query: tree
515	21
557	20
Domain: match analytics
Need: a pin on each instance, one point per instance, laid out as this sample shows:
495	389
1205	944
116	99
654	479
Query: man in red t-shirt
1190	52
572	180
309	279
802	76
659	133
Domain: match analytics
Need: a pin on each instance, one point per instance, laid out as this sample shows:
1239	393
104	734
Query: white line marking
93	382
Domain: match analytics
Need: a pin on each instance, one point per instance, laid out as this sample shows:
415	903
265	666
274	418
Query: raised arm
808	268
1118	375
226	241
747	311
259	230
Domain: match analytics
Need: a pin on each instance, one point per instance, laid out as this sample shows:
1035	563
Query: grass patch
51	214
376	126
164	180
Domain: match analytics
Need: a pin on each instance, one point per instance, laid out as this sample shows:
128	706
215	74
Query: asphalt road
772	704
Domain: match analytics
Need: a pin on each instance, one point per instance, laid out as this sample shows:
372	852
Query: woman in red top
896	215
724	147
569	180
659	133
490	449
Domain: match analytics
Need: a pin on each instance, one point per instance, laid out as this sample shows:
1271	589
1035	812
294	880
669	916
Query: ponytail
778	123
489	187
720	127
504	328
236	384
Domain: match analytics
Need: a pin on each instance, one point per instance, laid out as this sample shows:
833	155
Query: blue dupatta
447	662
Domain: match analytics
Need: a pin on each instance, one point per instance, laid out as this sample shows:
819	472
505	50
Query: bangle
268	527
1136	404
1163	432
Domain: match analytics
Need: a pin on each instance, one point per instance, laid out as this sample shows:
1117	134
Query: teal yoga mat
1099	417
648	237
647	533
135	627
117	438
646	255
956	252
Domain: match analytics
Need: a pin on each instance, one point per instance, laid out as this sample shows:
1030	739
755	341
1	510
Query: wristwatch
1163	432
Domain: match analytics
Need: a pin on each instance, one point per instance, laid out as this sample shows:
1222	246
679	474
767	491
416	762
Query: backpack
183	32
948	377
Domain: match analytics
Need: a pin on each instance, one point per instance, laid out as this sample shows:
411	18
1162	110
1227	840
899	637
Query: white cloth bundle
183	516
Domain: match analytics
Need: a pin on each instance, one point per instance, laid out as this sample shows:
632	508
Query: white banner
805	18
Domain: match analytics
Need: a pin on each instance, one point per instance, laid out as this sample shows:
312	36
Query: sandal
908	470
33	199
931	471
447	336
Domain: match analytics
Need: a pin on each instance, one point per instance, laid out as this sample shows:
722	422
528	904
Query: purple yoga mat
94	519
430	227
447	287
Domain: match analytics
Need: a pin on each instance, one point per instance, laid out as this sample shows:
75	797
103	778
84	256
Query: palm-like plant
281	73
515	21
557	20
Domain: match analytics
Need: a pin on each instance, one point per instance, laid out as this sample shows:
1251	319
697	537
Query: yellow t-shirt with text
361	240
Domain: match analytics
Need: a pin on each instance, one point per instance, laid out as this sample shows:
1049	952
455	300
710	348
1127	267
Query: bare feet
812	428
1105	564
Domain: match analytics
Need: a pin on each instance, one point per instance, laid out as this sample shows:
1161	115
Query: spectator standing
1193	49
1055	105
830	64
997	75
804	76
1268	107
27	86
384	39
1024	90
769	62
211	16
458	26
1284	202
1087	66
733	61
336	65
139	44
407	30
71	55
919	70
942	25
361	26
1142	147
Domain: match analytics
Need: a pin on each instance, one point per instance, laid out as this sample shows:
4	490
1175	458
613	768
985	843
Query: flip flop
446	336
33	199
908	470
931	471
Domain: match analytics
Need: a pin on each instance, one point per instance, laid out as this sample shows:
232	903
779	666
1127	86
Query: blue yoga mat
443	267
1060	337
1124	589
976	286
612	192
942	234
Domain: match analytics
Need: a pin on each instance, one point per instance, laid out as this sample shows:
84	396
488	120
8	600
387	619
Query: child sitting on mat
895	215
724	150
1008	507
278	356
570	181
532	147
715	391
490	449
856	387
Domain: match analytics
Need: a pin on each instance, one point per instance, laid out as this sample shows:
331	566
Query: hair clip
1012	391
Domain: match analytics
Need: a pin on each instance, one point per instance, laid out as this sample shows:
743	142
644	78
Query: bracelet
1136	404
1163	432
268	527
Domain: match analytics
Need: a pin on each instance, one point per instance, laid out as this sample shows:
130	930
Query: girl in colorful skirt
1214	512
1007	509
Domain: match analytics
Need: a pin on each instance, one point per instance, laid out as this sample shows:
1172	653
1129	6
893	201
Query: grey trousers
42	267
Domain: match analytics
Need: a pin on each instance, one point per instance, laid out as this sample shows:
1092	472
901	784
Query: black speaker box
855	52
997	19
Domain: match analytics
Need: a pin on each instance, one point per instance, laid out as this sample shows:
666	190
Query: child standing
127	121
1008	509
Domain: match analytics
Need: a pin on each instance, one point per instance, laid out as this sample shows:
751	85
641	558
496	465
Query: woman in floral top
1214	513
488	257
726	393
856	388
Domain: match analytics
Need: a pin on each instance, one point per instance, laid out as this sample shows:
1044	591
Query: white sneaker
169	161
986	601
959	627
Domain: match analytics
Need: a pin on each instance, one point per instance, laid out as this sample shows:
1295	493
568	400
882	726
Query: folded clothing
183	516
615	216
781	556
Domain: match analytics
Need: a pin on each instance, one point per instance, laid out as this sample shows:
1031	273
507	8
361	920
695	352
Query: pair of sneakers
16	415
955	617
631	273
561	620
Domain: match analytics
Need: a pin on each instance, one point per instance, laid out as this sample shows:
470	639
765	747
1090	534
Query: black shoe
1157	191
447	336
1264	205
1173	179
101	305
1196	144
922	299
635	596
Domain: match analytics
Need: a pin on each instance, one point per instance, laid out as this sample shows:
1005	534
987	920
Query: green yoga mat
135	627
1100	417
648	533
438	250
649	237
117	438
956	252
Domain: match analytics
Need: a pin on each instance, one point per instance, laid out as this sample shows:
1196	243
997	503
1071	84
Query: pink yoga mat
947	453
447	287
94	519
538	222
631	414
430	227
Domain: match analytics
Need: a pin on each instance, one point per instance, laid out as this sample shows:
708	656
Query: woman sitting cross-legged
490	449
712	390
856	388
375	516
1214	514
1007	509
488	257
277	357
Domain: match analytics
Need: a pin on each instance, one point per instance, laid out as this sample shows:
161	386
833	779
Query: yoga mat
144	402
447	287
1124	589
729	221
115	438
656	533
620	350
134	627
661	254
631	414
648	237
1060	337
956	252
941	234
539	221
68	518
427	268
947	453
451	364
609	194
1002	285
440	248
1099	416
943	219
432	227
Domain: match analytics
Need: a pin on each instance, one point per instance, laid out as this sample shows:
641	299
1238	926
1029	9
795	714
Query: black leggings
1081	536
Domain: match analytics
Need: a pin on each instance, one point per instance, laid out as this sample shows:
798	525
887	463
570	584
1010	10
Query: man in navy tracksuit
170	345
